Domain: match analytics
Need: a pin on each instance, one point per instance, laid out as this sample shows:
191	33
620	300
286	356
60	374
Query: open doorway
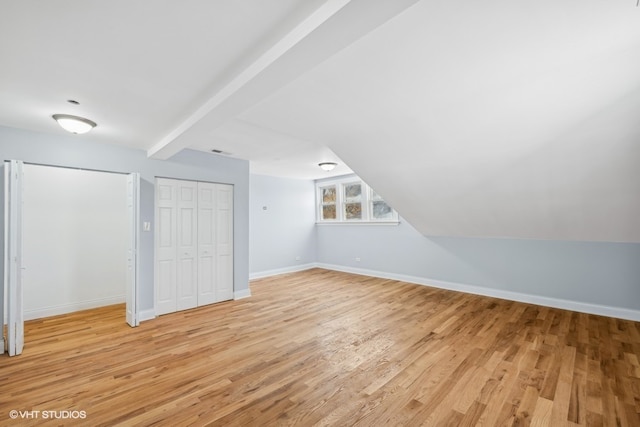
72	238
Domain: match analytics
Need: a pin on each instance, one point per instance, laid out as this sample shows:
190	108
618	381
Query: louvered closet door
224	241
187	261
166	244
206	243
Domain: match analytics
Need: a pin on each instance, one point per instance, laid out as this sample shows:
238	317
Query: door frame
132	296
13	257
12	283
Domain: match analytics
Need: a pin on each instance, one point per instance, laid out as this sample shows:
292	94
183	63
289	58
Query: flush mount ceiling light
74	124
327	166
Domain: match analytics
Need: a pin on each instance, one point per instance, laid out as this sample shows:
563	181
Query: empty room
320	213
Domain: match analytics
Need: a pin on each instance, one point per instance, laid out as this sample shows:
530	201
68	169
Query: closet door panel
166	234
224	242
187	296
194	244
206	244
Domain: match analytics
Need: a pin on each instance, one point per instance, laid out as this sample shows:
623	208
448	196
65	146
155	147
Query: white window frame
394	214
320	203
366	200
363	200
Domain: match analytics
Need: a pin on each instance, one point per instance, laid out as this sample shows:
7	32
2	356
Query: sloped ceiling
498	118
488	119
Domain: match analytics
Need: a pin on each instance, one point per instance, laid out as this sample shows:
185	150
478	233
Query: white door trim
133	244
13	259
13	254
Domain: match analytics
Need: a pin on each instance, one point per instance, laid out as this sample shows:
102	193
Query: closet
194	244
74	239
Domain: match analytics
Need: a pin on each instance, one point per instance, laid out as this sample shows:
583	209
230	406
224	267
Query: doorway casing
13	265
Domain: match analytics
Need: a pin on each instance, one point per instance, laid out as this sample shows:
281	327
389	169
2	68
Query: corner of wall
243	293
276	271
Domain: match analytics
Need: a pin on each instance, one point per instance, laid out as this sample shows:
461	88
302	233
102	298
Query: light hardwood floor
327	348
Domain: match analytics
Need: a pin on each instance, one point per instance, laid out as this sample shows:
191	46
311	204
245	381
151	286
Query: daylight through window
350	200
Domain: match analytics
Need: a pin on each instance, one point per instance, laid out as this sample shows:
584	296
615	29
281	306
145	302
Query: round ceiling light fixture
327	166
74	124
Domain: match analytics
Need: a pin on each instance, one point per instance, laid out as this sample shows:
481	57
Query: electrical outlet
298	258
357	259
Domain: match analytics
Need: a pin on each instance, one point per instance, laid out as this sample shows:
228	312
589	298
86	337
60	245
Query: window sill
358	223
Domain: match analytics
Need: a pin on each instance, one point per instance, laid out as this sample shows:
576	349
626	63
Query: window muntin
328	203
350	200
380	210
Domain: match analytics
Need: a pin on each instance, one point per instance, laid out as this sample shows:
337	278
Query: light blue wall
587	272
80	152
286	228
603	274
595	273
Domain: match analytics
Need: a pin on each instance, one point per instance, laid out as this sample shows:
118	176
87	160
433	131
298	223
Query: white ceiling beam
331	28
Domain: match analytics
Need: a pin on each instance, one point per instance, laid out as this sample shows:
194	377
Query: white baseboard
72	307
144	315
275	272
602	310
245	293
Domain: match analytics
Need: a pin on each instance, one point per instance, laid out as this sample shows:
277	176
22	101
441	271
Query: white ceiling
499	118
140	68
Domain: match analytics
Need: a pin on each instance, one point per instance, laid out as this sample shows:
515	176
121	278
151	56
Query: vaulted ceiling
490	119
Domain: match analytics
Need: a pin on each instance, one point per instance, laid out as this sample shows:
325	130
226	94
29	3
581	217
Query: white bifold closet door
187	238
206	243
194	244
166	246
224	242
13	258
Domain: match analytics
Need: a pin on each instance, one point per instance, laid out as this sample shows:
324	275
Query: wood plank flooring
322	348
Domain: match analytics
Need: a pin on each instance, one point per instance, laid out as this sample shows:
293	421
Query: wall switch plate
146	226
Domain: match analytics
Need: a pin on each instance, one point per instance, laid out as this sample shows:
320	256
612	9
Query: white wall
75	240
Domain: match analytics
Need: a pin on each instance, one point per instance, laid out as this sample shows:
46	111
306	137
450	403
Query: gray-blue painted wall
81	152
587	272
597	273
282	223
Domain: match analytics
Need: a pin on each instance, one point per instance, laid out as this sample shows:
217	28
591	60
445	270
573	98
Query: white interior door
166	243
187	260
133	209
224	242
206	243
13	258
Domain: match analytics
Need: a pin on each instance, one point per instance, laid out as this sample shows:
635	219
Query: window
350	200
380	210
328	203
